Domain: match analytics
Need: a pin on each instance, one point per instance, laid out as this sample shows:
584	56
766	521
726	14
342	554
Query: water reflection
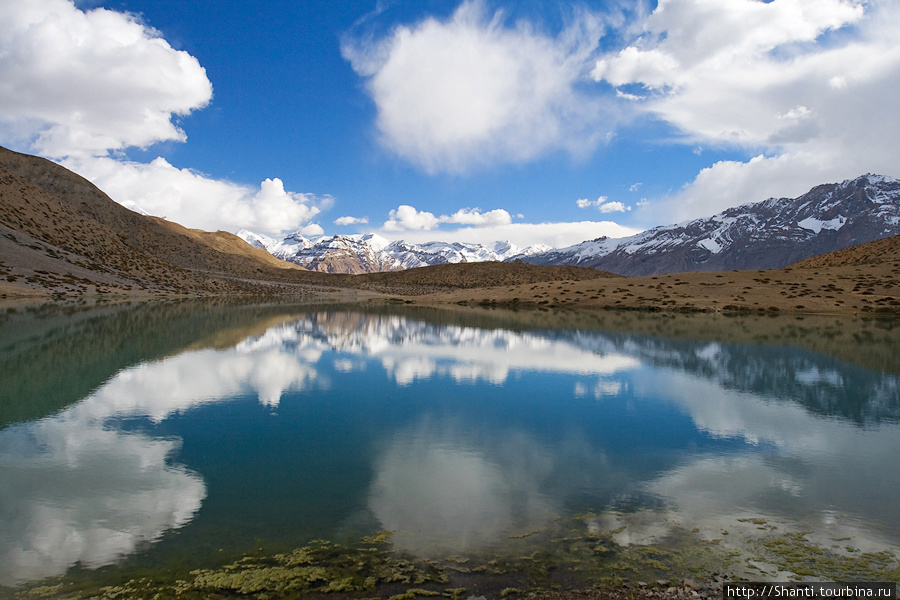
455	436
444	490
76	492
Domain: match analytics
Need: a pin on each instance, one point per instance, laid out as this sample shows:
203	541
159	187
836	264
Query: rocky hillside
58	231
766	235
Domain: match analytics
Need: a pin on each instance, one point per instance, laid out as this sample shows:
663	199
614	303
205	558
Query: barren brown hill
882	251
860	280
60	232
466	276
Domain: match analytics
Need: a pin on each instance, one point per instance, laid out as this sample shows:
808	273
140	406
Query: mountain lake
186	449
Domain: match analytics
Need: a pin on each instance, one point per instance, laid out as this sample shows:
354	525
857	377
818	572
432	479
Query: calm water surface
460	439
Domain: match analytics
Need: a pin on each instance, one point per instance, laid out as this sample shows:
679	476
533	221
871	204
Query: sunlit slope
59	223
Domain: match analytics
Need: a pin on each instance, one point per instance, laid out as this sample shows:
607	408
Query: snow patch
711	245
816	225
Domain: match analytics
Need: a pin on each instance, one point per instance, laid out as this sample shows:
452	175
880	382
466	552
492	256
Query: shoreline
847	290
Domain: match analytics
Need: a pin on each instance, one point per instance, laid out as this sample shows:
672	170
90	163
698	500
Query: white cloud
351	220
311	229
602	204
555	235
585	203
406	217
470	91
77	83
195	200
608	207
476	218
813	83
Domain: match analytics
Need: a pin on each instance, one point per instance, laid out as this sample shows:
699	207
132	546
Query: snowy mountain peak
769	234
369	253
763	235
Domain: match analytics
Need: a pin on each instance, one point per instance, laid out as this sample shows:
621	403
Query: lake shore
854	290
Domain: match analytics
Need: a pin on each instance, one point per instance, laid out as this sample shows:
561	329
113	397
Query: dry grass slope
61	234
467	276
882	251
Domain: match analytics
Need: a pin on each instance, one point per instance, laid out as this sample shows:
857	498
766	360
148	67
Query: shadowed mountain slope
764	235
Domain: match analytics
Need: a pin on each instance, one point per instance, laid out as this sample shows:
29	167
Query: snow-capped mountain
764	235
370	253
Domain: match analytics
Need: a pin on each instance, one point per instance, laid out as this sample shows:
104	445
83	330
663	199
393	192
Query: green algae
795	553
321	567
573	554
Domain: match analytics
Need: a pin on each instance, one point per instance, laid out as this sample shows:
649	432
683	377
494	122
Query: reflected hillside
51	356
411	349
868	342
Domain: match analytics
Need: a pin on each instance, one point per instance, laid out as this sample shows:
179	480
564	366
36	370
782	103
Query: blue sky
532	121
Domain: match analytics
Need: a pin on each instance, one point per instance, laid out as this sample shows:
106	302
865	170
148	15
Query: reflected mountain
410	349
54	355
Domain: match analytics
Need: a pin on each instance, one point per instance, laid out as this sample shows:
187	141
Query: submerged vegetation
573	556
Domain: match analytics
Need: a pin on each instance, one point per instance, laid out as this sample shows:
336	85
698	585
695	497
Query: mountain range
61	237
763	235
371	253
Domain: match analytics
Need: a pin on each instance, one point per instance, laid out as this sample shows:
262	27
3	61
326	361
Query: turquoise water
456	437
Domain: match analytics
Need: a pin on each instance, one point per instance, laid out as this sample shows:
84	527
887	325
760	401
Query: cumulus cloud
81	86
406	217
458	94
476	218
812	83
554	235
351	220
77	83
195	200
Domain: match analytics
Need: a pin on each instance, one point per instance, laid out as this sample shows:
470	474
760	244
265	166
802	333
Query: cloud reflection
76	492
411	350
442	489
805	468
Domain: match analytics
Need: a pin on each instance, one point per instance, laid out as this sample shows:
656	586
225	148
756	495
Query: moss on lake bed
370	567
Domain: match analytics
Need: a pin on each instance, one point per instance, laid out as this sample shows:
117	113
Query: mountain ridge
770	234
371	253
62	238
